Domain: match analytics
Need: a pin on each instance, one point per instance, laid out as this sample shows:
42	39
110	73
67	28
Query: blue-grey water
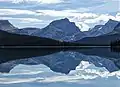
98	67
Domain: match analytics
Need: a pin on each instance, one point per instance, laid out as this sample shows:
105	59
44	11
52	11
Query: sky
39	13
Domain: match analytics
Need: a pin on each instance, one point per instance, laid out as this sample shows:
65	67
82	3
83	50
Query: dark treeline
115	46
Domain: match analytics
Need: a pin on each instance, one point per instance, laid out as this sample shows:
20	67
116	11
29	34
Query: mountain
105	39
9	39
102	29
94	31
67	31
109	26
6	25
116	30
60	30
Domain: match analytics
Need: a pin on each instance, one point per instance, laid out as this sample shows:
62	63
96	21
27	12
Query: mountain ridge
105	39
63	30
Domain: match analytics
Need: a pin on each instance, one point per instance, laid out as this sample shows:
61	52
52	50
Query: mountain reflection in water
59	60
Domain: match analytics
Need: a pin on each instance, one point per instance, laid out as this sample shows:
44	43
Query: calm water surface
93	67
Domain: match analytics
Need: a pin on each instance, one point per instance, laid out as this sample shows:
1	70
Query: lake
86	67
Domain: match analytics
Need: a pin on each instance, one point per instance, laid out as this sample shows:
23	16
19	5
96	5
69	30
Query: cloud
107	7
34	1
83	26
118	16
65	13
49	1
102	17
16	12
84	20
87	20
26	22
78	15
